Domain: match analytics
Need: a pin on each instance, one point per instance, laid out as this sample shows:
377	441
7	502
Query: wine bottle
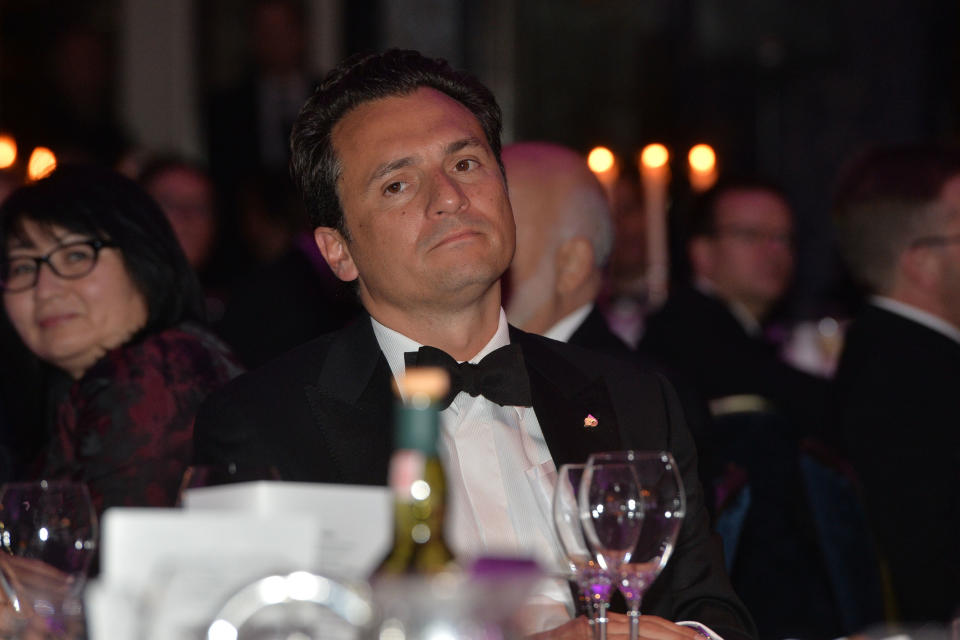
417	478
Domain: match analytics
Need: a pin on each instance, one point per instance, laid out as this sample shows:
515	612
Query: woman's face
72	323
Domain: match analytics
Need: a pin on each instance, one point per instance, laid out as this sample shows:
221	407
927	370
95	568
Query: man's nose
447	195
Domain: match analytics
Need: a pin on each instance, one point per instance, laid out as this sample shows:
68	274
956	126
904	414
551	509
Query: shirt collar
746	319
394	344
918	315
569	323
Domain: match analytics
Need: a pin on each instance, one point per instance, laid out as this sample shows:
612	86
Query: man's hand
618	626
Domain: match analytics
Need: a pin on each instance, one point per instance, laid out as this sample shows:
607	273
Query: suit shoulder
300	364
586	360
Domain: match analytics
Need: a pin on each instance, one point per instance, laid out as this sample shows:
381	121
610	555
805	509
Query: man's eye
465	165
395	188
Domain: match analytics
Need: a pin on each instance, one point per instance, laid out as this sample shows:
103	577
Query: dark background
780	88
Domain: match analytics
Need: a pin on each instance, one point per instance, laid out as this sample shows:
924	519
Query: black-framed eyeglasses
71	261
750	235
936	240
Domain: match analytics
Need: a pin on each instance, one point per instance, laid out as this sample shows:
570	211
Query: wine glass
594	584
664	505
611	512
48	533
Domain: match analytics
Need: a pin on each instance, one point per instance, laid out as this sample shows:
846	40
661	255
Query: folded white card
356	521
176	567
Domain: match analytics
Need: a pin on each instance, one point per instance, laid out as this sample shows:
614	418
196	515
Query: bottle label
406	467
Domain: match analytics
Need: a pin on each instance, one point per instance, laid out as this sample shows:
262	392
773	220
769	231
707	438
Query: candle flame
8	151
600	160
702	158
42	162
654	156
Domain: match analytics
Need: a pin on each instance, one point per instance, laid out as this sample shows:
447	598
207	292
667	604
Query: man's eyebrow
460	145
388	167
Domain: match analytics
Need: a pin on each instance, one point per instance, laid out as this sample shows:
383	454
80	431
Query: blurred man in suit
564	238
739	246
398	159
897	404
740	250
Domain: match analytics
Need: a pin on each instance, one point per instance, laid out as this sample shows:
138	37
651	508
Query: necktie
501	376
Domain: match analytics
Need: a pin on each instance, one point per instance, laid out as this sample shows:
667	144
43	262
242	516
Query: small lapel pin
589	422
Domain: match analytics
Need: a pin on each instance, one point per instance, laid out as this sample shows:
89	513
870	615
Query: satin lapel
565	398
351	405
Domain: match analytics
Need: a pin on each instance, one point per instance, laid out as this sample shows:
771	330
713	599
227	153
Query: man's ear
700	251
335	251
574	264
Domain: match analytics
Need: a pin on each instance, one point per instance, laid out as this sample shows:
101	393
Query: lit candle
604	165
8	151
702	163
655	175
42	162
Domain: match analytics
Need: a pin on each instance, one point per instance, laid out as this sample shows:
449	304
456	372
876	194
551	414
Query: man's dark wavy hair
314	164
103	204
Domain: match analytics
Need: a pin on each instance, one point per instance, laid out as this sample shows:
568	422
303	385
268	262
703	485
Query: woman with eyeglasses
96	285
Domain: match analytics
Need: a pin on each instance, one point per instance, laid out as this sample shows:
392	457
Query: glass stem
633	615
600	628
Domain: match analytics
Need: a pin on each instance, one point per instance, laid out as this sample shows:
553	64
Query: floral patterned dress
126	427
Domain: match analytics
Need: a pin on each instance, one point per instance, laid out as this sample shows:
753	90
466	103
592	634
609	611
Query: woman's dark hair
103	204
314	163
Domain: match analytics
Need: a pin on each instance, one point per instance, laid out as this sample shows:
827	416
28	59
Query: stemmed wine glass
664	505
48	534
595	584
611	512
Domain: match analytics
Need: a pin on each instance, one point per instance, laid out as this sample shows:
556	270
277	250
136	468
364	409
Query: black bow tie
500	376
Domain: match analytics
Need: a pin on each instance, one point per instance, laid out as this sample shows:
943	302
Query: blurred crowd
828	449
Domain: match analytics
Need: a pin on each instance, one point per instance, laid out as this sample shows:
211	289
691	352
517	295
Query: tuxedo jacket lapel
352	406
564	397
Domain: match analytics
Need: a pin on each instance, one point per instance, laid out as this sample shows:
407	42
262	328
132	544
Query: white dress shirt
500	479
569	324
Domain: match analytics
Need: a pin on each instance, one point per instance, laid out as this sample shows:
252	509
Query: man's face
424	201
532	276
750	258
949	254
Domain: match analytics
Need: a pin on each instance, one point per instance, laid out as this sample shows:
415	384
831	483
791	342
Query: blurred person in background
739	245
248	127
565	235
624	296
740	250
291	296
564	239
97	287
896	405
185	193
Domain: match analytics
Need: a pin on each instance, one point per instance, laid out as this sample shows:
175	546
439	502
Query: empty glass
48	533
664	505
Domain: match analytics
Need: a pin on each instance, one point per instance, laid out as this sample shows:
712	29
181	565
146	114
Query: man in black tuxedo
896	389
740	253
398	158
